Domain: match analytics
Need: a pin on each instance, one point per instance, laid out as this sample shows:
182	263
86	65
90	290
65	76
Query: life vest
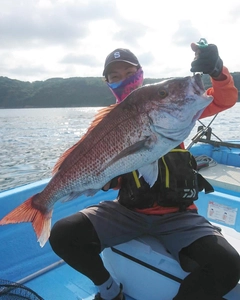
177	185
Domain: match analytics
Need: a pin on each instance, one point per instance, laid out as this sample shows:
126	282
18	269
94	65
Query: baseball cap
120	54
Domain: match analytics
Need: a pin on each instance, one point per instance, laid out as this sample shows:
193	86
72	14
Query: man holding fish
136	146
142	209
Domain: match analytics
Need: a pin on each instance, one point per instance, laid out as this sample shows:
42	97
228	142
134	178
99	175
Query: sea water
31	140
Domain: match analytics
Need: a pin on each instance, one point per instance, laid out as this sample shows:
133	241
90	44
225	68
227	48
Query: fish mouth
199	90
198	84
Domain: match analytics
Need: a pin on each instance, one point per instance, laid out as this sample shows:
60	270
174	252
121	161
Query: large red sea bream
124	137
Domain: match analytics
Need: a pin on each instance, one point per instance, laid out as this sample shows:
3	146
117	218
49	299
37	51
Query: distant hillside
70	92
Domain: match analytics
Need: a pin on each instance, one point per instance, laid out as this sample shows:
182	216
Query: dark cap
120	54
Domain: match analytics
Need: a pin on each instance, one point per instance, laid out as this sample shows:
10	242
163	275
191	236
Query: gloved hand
206	60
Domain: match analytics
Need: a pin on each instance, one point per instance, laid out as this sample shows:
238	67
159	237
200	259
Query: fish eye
162	93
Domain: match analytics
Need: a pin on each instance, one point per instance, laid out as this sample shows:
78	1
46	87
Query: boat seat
144	260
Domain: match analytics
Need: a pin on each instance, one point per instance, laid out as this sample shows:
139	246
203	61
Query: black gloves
207	60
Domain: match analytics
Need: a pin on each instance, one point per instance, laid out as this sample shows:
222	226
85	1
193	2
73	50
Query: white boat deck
223	176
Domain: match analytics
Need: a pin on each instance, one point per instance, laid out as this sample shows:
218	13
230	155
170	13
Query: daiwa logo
116	54
189	193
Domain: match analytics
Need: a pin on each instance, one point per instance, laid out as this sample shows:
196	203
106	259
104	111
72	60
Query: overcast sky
42	39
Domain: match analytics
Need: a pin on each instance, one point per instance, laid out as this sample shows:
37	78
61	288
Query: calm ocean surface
31	140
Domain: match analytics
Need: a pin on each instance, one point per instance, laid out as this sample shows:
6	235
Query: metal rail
40	272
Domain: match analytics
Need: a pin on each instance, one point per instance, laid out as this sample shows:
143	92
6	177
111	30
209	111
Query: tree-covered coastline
69	92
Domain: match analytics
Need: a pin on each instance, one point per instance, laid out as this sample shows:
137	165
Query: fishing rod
206	131
201	132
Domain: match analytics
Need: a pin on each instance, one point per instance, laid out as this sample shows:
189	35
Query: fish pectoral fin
146	143
75	194
91	192
71	196
149	173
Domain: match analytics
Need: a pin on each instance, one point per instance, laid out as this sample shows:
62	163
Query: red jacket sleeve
224	93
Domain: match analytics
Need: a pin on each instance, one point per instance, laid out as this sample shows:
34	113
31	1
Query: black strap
204	184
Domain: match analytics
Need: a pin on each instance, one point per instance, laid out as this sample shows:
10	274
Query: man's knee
74	231
58	236
232	270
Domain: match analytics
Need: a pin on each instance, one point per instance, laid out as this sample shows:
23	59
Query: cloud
22	70
185	34
41	39
235	13
146	58
56	23
84	59
130	32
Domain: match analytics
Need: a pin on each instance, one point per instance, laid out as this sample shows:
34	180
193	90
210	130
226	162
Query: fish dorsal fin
98	117
62	158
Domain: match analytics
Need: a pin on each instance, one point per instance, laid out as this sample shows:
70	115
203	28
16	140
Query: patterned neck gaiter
123	88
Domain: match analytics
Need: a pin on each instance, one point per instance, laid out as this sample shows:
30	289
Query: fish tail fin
26	212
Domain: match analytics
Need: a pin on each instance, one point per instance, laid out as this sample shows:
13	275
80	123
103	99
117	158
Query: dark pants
75	240
217	273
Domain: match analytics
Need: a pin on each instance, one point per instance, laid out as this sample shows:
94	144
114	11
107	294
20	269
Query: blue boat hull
144	267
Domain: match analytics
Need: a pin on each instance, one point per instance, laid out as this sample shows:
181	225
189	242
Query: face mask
123	88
